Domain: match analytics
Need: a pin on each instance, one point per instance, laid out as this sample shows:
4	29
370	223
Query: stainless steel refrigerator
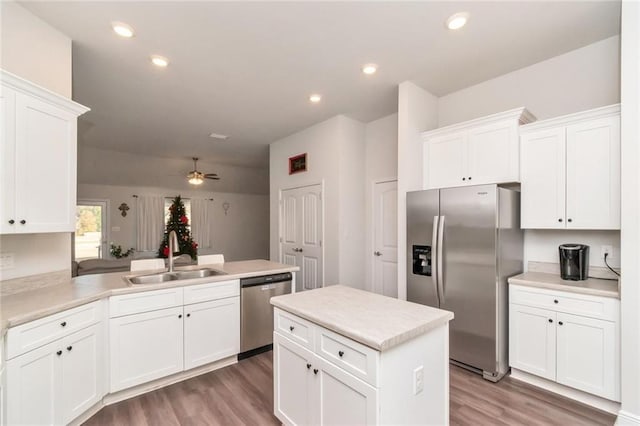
462	245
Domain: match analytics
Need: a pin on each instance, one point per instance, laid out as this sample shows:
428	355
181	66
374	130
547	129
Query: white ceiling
246	69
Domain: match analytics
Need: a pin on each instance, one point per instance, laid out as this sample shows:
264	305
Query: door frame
372	242
322	218
105	224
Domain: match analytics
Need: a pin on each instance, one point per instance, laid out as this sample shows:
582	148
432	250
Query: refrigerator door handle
439	259
434	256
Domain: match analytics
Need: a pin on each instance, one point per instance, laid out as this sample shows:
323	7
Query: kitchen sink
163	277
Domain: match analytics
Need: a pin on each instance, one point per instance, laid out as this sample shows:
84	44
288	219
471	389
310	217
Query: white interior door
301	234
385	238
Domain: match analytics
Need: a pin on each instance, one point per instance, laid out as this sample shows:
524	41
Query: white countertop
29	305
376	321
592	286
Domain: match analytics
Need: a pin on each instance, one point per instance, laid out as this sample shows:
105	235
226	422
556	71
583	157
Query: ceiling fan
196	178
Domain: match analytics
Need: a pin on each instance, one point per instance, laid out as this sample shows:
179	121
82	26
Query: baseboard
87	414
122	395
577	395
626	418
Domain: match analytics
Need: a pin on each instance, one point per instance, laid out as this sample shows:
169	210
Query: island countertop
371	319
51	298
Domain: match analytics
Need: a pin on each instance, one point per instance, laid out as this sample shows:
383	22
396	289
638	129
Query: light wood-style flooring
242	394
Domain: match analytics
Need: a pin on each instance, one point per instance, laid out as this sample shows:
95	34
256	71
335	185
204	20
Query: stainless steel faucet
173	246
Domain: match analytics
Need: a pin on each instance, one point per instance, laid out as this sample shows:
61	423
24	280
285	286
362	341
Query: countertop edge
564	287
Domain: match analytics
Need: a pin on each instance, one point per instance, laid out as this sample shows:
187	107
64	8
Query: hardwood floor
242	394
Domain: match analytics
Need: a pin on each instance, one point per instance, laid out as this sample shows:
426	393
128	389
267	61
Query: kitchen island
347	356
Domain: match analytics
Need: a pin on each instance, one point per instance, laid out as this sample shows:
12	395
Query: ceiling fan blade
212	177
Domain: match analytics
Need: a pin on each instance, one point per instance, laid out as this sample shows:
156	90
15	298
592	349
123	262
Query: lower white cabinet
145	347
55	383
580	351
310	390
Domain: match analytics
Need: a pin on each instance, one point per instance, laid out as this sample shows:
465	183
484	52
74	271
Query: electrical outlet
608	250
418	380
6	260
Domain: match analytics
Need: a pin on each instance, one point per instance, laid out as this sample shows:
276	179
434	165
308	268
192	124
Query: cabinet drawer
34	334
605	308
357	359
212	291
144	302
297	329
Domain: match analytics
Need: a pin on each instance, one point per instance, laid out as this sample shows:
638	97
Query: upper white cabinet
480	151
38	157
570	171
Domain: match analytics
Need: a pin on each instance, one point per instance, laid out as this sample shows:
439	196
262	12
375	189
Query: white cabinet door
542	172
8	222
33	387
532	340
588	355
493	154
45	167
292	371
145	347
83	371
593	174
211	331
341	398
446	161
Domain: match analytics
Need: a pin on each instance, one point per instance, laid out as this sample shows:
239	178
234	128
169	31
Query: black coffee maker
574	261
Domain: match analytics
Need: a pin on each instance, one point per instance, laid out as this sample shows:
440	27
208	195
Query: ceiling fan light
195	178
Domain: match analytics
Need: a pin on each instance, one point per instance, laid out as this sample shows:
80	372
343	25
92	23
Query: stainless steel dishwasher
256	313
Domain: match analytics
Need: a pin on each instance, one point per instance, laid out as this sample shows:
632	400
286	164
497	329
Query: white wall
630	283
240	235
34	50
381	163
582	79
330	146
417	112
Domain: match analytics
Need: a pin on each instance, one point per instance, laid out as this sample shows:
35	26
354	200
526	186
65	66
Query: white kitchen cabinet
570	169
532	340
292	381
39	161
211	331
145	347
568	338
481	151
55	383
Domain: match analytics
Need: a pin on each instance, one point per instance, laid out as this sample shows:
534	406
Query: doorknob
377	253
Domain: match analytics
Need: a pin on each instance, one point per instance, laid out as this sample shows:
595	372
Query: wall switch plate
606	250
418	380
6	260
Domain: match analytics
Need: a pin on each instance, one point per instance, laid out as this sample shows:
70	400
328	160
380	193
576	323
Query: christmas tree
178	222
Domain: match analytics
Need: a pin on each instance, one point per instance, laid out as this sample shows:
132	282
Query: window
90	238
187	208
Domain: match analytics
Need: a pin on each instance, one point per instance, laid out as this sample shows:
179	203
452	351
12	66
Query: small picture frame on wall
298	163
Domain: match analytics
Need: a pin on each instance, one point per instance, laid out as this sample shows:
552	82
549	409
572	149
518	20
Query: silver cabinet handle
377	253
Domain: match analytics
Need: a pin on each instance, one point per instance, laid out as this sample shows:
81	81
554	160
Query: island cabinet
571	171
38	158
55	367
155	334
323	377
481	151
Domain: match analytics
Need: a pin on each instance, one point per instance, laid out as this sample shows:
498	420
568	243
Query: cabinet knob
315	371
291	328
22	222
560	322
555	301
180	316
59	353
469	177
569	220
188	315
464	178
560	220
550	320
308	366
69	348
11	222
340	353
63	323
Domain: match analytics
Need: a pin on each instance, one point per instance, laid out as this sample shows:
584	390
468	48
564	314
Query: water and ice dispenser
422	260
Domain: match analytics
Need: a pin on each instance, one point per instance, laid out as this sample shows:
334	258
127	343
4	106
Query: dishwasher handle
265	279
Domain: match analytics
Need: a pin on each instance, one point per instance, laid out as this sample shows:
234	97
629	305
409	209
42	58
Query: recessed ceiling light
159	61
122	29
219	136
457	20
315	98
370	69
